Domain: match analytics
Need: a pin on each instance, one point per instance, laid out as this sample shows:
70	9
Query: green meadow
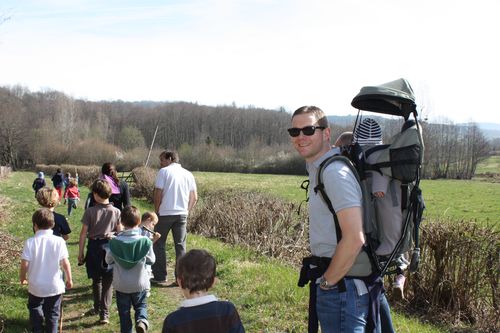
264	290
454	199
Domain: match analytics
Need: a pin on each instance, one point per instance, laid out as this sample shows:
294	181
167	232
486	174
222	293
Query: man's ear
179	282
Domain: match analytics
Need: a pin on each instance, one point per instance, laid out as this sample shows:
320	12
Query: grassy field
491	165
264	290
456	199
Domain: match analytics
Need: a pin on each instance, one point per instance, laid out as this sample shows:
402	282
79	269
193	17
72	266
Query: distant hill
490	130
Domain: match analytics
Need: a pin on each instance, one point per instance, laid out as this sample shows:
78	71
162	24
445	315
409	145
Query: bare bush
144	179
264	224
459	274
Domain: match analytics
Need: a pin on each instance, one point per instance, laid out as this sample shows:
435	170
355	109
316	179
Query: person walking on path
120	193
130	253
39	182
58	182
42	258
174	196
99	224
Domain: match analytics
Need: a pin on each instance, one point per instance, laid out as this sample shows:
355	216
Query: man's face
164	161
310	147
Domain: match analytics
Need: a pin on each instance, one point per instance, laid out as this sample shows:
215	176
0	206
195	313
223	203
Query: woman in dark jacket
120	194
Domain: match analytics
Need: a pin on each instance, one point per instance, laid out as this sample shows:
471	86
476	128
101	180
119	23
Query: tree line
50	127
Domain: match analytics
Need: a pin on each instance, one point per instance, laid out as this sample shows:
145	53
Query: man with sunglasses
341	303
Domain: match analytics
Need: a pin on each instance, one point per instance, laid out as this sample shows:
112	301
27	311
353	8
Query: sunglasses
308	130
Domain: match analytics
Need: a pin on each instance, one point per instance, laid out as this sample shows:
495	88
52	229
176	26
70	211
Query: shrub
144	179
459	274
86	174
264	224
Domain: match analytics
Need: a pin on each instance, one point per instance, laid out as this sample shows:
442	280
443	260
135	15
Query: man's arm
351	224
157	196
66	266
23	271
83	238
193	198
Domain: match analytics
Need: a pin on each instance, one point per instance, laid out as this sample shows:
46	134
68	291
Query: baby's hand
156	236
379	194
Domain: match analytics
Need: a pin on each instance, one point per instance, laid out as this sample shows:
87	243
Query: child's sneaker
141	327
398	286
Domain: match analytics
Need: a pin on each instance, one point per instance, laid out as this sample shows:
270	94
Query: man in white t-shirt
174	196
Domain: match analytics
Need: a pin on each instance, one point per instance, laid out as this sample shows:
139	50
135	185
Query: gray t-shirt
101	219
344	192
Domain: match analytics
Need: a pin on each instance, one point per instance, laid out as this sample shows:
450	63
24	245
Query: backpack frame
393	98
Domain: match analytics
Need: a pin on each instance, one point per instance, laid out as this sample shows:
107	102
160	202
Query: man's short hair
171	155
196	270
320	116
47	197
101	188
130	217
43	218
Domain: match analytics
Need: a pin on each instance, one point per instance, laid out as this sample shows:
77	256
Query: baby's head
149	220
196	271
47	197
43	219
130	217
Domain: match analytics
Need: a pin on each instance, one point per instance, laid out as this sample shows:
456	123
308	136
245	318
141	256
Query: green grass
462	200
491	165
456	199
264	290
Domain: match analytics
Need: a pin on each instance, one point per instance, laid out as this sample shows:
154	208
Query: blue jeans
44	307
178	225
385	316
340	312
72	202
124	302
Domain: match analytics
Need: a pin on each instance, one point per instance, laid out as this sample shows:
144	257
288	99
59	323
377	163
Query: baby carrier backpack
401	161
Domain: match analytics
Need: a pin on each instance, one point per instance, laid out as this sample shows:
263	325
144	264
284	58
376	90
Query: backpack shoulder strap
320	186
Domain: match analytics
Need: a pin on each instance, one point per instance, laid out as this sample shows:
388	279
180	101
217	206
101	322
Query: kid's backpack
401	161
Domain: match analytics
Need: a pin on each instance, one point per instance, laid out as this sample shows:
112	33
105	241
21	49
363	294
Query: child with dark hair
49	198
39	182
42	257
58	182
200	311
99	224
129	254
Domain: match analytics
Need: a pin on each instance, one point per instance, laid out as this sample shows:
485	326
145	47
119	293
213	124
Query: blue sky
264	53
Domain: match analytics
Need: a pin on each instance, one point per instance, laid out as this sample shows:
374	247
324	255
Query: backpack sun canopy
394	98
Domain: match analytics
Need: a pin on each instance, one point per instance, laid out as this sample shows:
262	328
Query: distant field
491	165
456	199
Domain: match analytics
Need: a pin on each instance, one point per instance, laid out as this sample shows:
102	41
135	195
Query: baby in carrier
386	192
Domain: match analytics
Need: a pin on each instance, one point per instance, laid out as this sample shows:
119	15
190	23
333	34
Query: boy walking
99	224
129	253
49	198
200	312
42	273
